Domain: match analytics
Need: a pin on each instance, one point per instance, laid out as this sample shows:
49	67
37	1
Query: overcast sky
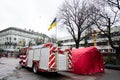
30	14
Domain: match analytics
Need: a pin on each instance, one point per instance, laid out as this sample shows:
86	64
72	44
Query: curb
110	66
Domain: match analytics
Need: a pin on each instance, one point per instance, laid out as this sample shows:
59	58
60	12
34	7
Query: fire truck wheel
35	69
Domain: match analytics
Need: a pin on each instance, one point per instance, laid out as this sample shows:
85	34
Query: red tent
87	60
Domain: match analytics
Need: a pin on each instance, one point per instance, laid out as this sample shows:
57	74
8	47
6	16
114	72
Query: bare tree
39	41
88	34
105	21
75	16
115	3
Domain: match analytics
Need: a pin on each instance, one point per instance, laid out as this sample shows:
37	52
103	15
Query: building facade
99	40
13	39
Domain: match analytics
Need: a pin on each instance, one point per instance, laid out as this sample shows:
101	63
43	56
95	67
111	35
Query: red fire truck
46	58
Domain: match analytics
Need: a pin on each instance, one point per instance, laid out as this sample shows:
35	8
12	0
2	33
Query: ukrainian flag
53	24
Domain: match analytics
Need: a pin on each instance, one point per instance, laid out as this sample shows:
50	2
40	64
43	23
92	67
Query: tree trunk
77	44
118	56
86	42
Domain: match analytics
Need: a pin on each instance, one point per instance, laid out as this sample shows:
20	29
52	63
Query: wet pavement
7	66
10	70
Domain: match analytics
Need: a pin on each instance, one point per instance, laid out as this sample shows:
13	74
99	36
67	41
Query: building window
6	38
10	38
14	47
14	38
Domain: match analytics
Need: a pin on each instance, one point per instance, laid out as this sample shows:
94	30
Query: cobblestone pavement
10	70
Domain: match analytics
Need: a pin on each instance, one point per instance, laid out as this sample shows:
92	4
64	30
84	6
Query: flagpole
56	48
56	33
51	26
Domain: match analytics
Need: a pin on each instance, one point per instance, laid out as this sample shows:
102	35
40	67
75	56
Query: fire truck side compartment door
44	58
37	54
30	58
62	62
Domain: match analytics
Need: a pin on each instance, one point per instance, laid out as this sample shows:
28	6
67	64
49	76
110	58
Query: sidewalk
111	66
